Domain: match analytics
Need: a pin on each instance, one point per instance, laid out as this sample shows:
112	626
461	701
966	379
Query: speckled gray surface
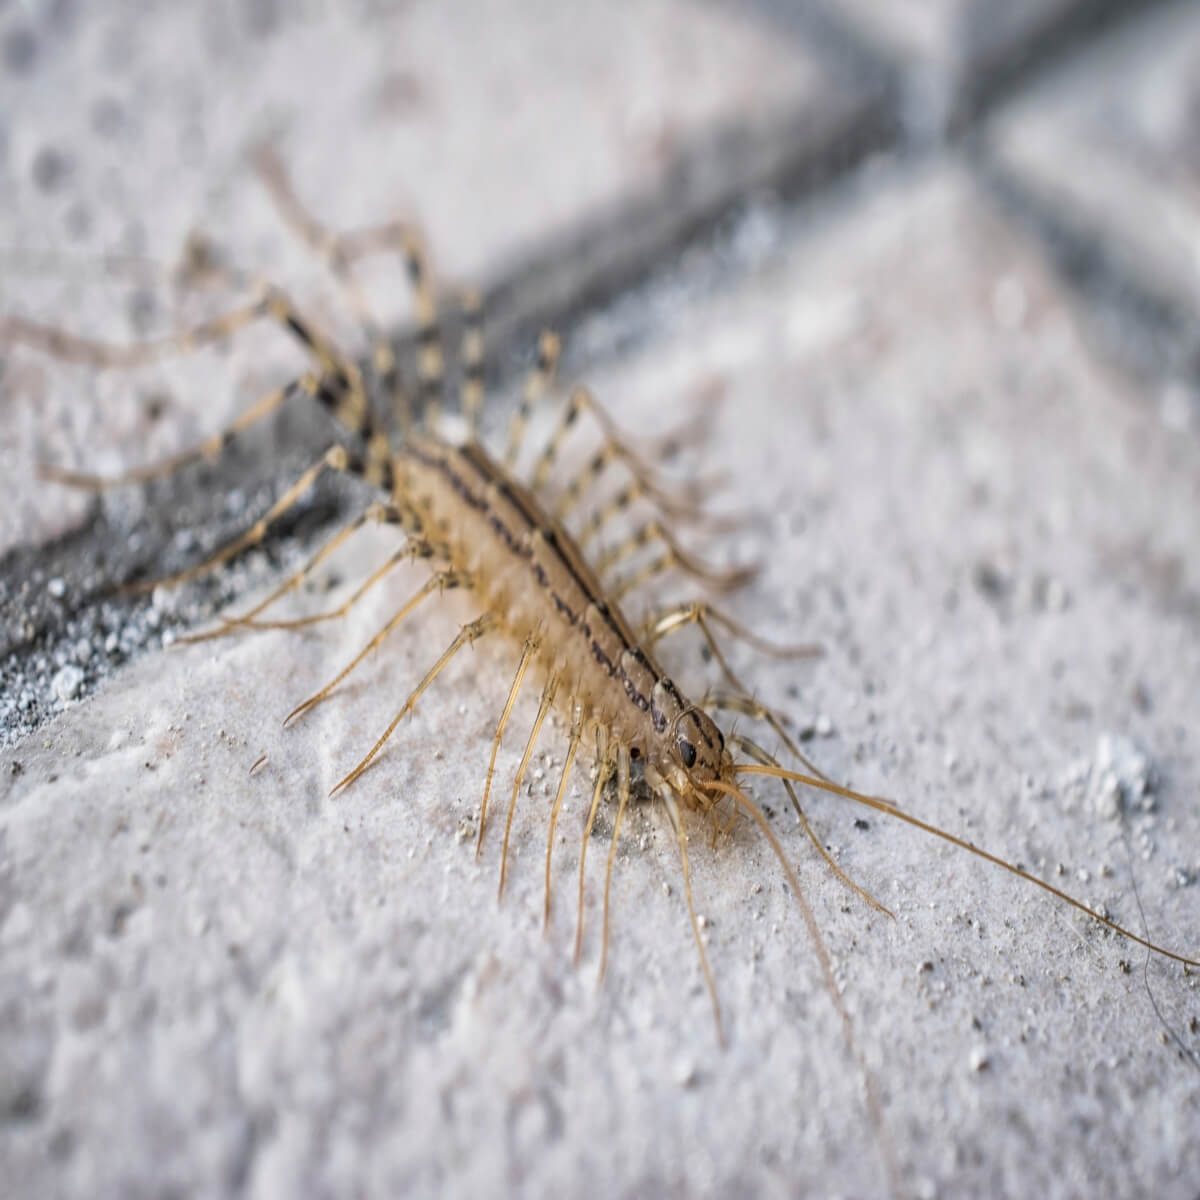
218	981
221	982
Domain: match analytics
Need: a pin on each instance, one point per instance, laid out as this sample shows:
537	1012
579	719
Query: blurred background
929	273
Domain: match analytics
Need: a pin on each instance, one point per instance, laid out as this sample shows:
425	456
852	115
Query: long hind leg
337	384
467	635
340	251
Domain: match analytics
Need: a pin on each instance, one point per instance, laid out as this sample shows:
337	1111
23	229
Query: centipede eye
687	752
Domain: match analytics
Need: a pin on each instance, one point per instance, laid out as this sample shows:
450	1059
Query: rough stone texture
127	127
224	983
1108	152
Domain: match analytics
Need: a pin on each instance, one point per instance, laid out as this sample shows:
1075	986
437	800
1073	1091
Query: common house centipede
686	761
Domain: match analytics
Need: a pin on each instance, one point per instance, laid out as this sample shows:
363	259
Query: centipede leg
337	385
752	810
527	655
334	459
603	775
376	512
606	513
444	580
615	449
539	382
471	362
673	557
467	635
757	753
340	251
543	708
623	767
701	612
573	741
416	549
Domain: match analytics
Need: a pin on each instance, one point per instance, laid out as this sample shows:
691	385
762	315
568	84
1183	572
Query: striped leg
616	448
539	382
527	656
623	768
337	386
467	635
471	363
672	557
572	749
335	459
604	771
442	581
544	708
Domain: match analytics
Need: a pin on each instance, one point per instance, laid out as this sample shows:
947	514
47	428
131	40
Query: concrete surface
129	129
950	58
217	981
1108	149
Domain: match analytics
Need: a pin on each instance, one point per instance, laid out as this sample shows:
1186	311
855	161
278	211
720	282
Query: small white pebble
685	1073
824	726
66	685
57	588
979	1059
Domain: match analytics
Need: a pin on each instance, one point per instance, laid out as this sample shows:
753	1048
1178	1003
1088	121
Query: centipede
496	528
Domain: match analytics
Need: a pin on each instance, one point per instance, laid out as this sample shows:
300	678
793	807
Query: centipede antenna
760	755
891	810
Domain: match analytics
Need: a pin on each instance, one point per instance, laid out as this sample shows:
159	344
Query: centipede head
698	756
